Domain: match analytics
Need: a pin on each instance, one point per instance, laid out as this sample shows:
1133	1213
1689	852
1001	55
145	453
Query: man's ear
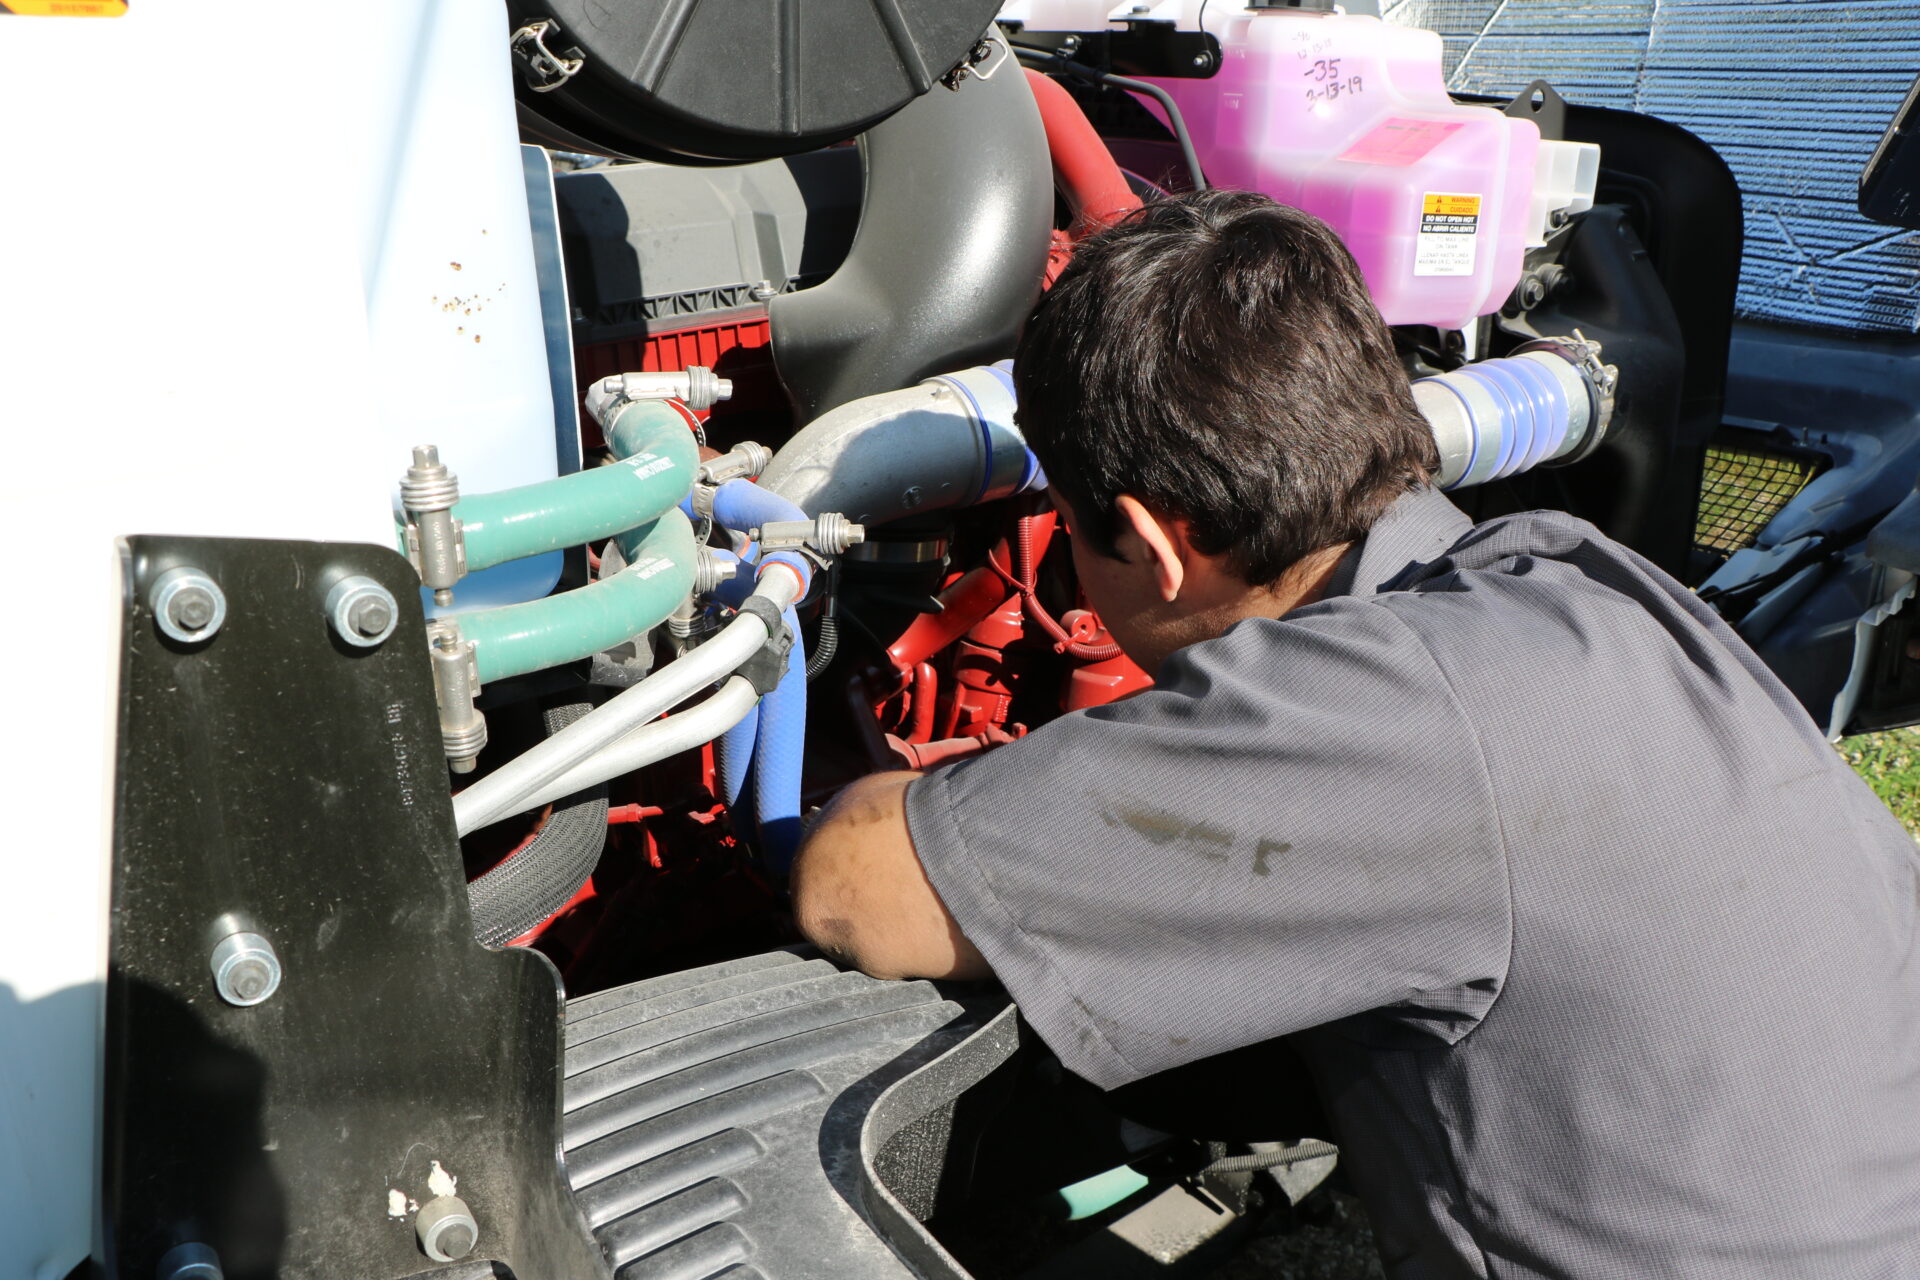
1162	542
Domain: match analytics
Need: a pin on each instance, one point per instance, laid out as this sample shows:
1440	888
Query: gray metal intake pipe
948	442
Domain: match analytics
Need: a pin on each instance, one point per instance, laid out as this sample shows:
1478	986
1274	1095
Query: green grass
1890	762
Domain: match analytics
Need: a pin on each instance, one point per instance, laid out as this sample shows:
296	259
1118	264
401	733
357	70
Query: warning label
1449	234
64	8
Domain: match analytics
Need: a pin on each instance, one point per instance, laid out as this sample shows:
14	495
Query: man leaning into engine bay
1601	958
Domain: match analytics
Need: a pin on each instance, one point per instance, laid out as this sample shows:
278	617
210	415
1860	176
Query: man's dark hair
1217	356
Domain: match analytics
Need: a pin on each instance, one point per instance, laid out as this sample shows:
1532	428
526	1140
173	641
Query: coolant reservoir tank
1348	117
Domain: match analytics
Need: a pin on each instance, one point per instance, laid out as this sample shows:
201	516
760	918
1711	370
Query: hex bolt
188	606
370	617
245	969
446	1228
363	612
190	1262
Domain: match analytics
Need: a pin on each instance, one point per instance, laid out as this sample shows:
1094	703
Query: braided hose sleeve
542	875
1298	1154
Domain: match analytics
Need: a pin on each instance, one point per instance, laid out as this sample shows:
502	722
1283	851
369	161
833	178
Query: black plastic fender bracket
275	780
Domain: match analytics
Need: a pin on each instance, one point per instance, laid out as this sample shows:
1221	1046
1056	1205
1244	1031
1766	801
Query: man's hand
859	892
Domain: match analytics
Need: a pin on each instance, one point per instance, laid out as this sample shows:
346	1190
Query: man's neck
1230	600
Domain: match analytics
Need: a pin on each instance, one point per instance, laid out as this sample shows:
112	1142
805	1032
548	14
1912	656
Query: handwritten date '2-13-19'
1328	84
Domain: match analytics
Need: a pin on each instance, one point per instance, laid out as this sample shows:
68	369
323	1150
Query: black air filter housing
728	80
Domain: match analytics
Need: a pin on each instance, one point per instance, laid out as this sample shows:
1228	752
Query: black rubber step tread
704	1046
583	1007
677	1217
627	1015
714	1119
731	1011
698	1257
625	1148
789	1055
639	1186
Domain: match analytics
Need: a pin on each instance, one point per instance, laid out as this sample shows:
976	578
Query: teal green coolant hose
1099	1193
518	638
658	463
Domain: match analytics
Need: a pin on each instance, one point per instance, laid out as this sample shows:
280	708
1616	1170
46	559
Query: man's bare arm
860	894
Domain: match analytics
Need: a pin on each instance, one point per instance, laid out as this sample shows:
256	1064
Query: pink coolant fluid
1348	117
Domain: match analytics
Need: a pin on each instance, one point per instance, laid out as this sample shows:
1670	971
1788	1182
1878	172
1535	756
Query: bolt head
370	616
191	608
249	978
457	1239
912	498
187	605
361	611
245	969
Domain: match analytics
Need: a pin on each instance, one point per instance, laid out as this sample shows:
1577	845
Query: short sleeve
1294	827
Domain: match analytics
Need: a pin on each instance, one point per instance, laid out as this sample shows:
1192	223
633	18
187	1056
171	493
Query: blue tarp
1794	95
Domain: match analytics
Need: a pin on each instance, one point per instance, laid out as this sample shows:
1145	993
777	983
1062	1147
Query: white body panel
227	231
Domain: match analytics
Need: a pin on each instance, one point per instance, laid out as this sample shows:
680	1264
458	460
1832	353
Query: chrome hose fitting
456	683
747	458
428	493
696	386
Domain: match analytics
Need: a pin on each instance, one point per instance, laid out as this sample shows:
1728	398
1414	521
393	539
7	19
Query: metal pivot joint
361	611
246	970
188	606
456	683
428	493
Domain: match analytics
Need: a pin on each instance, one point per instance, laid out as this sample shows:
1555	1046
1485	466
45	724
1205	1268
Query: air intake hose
949	442
953	240
1549	402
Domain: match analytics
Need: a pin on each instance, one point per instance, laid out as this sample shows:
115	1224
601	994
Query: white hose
649	743
510	788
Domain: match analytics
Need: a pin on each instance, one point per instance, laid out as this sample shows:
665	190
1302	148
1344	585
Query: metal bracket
546	71
1541	103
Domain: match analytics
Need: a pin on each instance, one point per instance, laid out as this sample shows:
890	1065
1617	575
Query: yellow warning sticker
1441	204
64	8
1449	234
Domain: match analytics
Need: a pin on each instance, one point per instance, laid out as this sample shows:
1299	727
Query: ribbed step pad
713	1117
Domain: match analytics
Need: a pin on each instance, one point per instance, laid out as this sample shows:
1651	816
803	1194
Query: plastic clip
767	667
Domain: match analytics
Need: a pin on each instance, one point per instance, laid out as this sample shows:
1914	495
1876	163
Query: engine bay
632	460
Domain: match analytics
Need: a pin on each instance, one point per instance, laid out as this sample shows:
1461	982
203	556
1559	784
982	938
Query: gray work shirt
1603	959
